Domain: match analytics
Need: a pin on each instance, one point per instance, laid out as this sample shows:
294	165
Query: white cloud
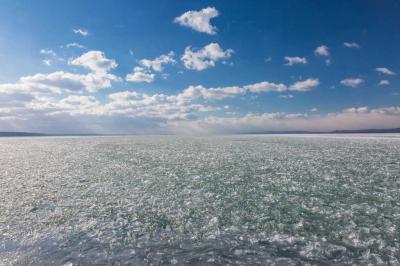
135	104
173	113
295	60
140	75
384	82
73	105
351	45
266	86
61	81
305	85
286	96
351	118
72	100
95	61
352	82
56	82
322	50
205	57
199	20
51	56
193	92
75	45
47	51
157	63
47	62
385	70
82	32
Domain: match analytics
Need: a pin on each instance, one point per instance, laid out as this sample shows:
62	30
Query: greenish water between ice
239	200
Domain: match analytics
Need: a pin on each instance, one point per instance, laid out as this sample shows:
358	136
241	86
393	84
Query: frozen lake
247	200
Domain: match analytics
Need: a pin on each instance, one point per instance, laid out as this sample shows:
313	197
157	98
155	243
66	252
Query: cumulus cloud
352	82
86	114
160	106
322	50
140	75
96	61
351	45
60	81
73	105
295	60
193	92
205	57
305	85
157	63
199	20
128	104
385	71
82	32
178	113
266	86
42	99
384	82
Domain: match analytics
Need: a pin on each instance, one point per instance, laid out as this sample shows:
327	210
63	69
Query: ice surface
247	200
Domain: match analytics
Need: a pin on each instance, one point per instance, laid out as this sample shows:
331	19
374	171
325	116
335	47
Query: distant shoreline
359	131
355	131
31	134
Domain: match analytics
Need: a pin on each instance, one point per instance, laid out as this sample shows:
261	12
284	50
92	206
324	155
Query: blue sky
198	66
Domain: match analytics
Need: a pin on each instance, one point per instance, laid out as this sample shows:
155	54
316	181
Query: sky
198	67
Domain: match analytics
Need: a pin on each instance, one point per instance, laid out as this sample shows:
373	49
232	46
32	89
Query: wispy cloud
47	51
352	82
50	54
286	96
384	82
351	45
295	60
385	70
47	62
82	32
75	45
